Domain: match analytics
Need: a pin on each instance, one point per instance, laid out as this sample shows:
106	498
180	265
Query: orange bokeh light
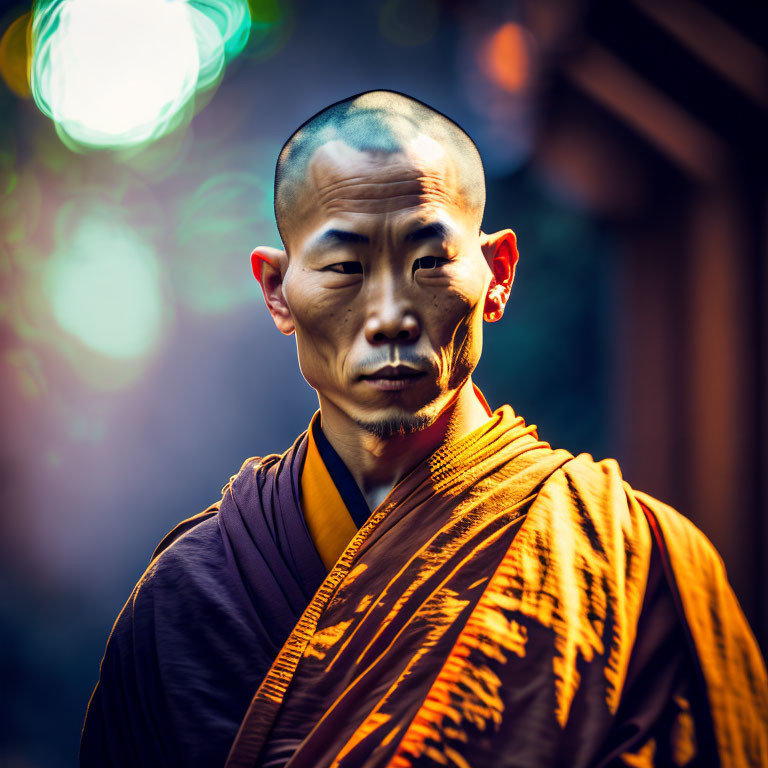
14	56
505	58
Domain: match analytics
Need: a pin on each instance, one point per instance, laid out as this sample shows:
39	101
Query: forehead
379	187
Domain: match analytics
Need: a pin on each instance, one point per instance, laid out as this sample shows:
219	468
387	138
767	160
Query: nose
391	318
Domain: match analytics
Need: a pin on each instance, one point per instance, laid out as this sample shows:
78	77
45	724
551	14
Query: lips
394	372
393	378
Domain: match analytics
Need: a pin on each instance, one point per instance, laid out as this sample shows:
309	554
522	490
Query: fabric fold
416	537
489	606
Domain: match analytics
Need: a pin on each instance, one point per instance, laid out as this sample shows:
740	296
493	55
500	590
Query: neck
378	464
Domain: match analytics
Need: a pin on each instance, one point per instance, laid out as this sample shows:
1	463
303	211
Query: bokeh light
505	57
104	286
14	56
270	27
217	227
232	19
500	76
122	73
114	72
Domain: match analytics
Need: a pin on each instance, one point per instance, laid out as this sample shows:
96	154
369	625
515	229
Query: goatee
396	426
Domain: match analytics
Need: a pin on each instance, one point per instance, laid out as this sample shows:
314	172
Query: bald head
372	124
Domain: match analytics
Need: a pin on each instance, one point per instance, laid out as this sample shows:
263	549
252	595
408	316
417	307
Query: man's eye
429	262
345	268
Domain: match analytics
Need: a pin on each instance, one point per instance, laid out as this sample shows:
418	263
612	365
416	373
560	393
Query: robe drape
452	631
498	575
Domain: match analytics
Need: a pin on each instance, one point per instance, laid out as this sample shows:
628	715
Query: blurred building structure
655	114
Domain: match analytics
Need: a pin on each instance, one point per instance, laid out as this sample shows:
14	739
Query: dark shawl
221	594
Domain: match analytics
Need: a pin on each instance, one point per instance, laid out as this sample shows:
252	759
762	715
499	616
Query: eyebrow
332	237
428	232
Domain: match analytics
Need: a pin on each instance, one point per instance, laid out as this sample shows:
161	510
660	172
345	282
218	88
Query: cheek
454	309
321	329
310	315
456	319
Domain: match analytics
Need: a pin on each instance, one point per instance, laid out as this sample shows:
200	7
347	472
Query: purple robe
221	594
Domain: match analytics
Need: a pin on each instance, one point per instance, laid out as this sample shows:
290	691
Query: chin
398	421
395	426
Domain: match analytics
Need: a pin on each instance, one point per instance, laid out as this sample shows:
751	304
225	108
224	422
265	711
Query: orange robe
486	613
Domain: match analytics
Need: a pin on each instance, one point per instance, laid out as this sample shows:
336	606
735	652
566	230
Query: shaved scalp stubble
375	122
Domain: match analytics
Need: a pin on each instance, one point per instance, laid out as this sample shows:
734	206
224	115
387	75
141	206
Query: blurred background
625	143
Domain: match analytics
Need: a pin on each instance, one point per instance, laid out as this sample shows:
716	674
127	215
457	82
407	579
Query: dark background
625	143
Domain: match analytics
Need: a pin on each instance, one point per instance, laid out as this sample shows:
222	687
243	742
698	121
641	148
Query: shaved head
377	123
386	277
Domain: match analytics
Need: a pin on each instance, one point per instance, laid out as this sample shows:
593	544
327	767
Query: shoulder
174	590
189	582
200	530
689	548
184	655
589	476
192	554
600	484
190	550
726	648
594	489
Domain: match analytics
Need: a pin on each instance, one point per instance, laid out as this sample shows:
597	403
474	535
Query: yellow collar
329	523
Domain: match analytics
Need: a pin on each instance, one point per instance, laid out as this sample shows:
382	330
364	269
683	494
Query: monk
419	580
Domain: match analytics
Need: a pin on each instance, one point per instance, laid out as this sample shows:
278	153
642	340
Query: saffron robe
222	593
656	712
443	636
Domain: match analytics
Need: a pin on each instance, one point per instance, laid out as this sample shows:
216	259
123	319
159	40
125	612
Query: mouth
393	377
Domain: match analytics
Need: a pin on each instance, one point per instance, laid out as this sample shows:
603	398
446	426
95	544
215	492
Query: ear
269	266
500	251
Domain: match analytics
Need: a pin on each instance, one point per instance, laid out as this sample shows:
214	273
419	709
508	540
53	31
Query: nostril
402	335
383	330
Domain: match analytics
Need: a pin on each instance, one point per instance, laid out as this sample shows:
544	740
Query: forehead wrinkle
390	204
386	196
384	173
370	190
343	166
380	173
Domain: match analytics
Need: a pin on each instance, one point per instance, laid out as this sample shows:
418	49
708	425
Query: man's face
385	272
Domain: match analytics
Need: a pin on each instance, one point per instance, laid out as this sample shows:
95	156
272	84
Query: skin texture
387	291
